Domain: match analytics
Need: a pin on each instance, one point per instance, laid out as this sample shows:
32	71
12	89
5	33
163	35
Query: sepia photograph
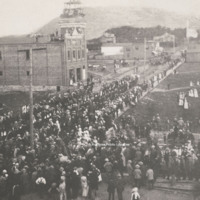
99	100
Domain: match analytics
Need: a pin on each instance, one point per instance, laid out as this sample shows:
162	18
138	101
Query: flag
191	31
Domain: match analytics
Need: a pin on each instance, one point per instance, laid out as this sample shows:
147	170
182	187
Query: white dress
186	105
181	99
71	82
85	187
196	95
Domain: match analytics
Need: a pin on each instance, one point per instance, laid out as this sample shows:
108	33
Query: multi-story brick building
59	60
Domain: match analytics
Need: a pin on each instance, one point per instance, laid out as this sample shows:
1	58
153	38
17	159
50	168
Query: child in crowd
135	195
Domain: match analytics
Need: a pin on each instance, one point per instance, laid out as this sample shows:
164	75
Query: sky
26	16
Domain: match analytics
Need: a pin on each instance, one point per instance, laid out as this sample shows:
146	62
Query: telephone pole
31	91
31	98
145	50
174	44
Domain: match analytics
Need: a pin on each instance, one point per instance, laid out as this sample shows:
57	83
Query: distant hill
103	18
132	34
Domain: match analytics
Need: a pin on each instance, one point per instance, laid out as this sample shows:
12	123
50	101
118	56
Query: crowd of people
67	130
77	141
180	151
156	78
182	159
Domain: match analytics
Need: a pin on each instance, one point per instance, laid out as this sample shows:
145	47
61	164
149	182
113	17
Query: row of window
28	72
74	42
75	54
27	55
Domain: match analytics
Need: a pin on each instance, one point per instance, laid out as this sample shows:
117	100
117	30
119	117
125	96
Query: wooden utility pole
145	50
31	91
174	44
31	98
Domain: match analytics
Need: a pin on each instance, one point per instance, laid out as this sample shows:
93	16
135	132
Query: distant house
193	53
164	38
108	38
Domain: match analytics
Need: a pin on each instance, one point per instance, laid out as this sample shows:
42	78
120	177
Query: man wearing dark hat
75	183
93	181
111	188
108	166
150	178
137	176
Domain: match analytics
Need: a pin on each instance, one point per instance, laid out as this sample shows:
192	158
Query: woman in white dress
186	104
85	187
196	95
181	99
62	189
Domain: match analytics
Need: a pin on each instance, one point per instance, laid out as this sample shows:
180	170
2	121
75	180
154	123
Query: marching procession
183	96
113	108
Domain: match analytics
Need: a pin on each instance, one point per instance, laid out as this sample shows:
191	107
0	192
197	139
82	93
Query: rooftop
108	35
121	44
26	39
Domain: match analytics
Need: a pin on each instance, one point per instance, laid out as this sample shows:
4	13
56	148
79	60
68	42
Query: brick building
59	60
128	51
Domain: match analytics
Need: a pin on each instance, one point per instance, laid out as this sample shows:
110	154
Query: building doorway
71	77
78	73
84	73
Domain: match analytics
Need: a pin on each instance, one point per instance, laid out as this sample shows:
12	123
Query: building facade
128	51
60	61
164	38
